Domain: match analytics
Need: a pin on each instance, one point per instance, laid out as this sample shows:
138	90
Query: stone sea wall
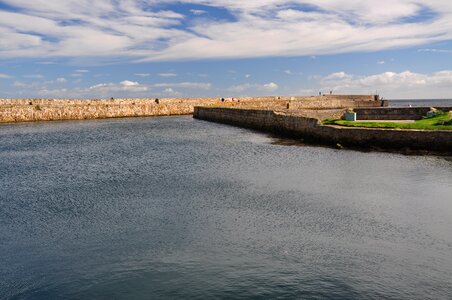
311	129
299	104
22	110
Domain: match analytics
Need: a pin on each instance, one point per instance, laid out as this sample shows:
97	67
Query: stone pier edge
311	130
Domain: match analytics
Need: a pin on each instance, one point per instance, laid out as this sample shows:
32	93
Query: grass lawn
440	122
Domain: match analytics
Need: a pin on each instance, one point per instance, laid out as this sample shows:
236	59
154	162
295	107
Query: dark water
421	103
175	208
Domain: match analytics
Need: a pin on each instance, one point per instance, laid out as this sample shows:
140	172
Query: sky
400	49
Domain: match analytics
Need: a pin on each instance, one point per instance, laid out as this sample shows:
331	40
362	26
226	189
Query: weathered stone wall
401	113
335	103
311	129
306	98
322	102
21	110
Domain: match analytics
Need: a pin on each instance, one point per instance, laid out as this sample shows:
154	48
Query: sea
177	208
420	103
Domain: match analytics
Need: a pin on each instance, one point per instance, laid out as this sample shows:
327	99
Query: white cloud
198	12
44	92
171	92
186	85
247	75
305	92
125	87
435	50
34	76
270	86
288	72
267	87
337	76
19	84
240	87
129	83
167	74
4	76
81	71
101	75
381	62
59	80
405	84
140	30
142	74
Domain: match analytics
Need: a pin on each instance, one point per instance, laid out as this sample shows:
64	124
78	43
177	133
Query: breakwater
311	129
23	110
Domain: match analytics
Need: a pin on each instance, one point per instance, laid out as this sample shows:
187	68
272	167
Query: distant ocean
420	102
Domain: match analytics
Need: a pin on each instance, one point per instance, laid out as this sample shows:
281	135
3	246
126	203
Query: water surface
421	103
175	208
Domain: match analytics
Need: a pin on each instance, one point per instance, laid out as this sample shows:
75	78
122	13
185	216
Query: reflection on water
179	208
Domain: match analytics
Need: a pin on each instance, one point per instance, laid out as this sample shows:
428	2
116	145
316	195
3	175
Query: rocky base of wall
311	130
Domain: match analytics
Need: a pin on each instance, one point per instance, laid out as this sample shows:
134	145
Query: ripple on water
179	208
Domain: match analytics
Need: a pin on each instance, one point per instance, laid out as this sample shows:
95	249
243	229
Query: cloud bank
151	30
396	85
393	85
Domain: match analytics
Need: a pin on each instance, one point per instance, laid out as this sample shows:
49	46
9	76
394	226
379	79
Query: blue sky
150	48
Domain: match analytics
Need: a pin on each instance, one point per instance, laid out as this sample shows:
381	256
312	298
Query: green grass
440	122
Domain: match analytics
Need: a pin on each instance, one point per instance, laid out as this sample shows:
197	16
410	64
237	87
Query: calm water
176	208
420	102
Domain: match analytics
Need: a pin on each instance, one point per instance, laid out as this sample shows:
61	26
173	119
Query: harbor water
176	208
